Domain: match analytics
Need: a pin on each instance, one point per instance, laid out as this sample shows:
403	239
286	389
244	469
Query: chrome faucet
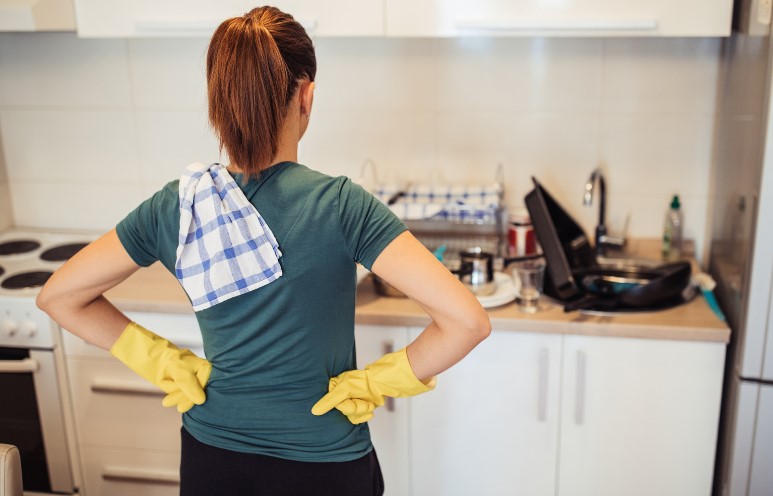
602	240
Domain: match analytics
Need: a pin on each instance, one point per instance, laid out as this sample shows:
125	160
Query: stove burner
18	246
27	280
62	252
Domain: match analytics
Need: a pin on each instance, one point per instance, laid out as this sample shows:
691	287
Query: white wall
91	127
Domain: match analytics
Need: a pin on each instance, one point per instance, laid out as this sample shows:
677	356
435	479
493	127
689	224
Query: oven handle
19	366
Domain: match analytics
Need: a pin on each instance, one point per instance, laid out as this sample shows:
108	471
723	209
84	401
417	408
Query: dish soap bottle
672	231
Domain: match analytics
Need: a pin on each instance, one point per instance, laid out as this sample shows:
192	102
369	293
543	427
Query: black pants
209	471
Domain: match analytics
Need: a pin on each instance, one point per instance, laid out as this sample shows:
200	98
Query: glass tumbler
528	276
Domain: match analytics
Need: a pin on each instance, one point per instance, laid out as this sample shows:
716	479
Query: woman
266	251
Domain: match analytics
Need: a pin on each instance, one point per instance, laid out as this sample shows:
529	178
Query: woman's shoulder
307	178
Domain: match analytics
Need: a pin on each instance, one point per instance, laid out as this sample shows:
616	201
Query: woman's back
273	350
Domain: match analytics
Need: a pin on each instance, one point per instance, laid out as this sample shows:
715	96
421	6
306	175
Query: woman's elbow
44	301
479	324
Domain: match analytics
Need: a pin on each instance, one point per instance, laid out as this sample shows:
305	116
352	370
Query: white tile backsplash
657	154
169	140
375	74
69	205
401	144
59	69
168	73
660	75
116	119
92	146
519	74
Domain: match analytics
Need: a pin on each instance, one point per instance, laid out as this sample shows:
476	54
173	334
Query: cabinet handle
16	366
579	405
203	27
542	399
126	388
141	476
386	348
537	25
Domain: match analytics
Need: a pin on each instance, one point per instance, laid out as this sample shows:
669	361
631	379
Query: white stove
27	259
32	367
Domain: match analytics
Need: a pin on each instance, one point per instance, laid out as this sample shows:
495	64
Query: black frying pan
635	287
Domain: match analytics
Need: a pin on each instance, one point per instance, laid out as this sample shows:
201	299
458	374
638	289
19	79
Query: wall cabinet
128	443
418	18
558	18
146	18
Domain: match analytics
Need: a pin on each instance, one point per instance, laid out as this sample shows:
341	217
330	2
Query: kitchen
113	118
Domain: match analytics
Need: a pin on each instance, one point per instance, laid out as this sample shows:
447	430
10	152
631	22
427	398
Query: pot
476	271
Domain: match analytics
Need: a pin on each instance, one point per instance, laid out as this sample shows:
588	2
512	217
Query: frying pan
632	287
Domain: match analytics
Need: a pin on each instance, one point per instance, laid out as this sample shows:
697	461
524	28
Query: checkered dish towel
225	247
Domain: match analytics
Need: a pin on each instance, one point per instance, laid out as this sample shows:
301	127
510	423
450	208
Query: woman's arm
459	322
73	295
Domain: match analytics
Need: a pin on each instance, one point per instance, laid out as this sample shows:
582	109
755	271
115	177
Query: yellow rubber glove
179	373
357	393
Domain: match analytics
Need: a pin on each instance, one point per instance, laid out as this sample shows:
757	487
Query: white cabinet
37	15
558	17
129	444
389	427
639	417
148	18
491	425
547	414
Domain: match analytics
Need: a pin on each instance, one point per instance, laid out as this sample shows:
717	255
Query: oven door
32	419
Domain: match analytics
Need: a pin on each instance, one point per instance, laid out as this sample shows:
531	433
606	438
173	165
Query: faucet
602	239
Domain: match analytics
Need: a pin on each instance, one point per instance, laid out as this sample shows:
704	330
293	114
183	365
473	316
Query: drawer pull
140	476
579	405
126	388
535	25
542	400
200	27
386	348
16	366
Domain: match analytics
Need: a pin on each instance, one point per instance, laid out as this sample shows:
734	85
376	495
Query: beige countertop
154	289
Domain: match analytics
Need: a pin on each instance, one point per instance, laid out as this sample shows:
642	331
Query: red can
521	238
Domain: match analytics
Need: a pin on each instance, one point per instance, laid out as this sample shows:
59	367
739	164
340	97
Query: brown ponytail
254	65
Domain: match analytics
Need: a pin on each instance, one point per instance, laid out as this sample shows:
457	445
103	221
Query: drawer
121	472
180	329
115	407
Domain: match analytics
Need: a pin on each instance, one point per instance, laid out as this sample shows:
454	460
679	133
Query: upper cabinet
450	18
37	15
416	18
149	18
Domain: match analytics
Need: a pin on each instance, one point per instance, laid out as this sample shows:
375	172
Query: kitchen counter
154	289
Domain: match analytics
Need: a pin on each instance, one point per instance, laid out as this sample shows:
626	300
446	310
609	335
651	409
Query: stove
32	360
29	257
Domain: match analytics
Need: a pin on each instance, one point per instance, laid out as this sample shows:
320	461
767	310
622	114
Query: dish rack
482	226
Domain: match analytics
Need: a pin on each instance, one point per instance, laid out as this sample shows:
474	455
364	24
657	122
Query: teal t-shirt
274	349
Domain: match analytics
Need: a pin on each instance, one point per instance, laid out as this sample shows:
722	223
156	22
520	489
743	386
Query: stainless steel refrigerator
741	252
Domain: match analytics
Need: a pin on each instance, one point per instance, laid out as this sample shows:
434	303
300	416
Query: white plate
505	292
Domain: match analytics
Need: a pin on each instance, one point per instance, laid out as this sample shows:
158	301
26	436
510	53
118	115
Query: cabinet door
119	472
558	18
389	426
114	18
639	417
490	427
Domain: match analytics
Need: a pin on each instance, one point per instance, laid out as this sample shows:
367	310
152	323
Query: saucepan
476	271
